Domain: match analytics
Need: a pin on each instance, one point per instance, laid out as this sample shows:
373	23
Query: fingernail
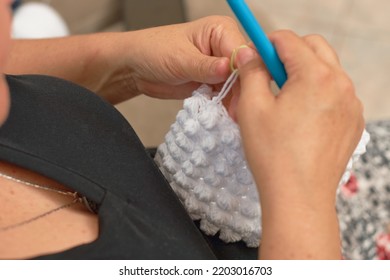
244	56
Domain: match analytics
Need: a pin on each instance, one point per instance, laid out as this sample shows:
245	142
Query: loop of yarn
203	160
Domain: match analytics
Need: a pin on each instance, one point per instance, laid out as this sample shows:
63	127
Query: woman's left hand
172	61
164	62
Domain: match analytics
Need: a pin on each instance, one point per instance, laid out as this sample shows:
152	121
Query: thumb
208	69
254	77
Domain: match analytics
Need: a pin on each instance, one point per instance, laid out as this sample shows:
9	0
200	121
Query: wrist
300	233
111	70
292	190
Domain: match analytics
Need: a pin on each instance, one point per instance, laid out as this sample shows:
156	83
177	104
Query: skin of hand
298	143
164	62
5	21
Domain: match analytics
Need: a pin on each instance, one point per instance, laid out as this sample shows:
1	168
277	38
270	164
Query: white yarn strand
227	86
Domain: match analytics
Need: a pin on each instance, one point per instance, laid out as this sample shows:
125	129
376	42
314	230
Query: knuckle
228	20
315	38
221	20
346	85
323	74
281	35
284	33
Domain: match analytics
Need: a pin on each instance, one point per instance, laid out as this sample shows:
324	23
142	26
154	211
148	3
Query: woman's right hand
298	143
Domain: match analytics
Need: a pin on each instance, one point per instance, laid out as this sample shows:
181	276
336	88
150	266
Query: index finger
226	37
294	52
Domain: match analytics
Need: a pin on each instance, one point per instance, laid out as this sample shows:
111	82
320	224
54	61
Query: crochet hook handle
259	38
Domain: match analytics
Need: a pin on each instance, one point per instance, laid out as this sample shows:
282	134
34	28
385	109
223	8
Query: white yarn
203	160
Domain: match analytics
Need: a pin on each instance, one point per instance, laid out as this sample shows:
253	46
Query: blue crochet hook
259	38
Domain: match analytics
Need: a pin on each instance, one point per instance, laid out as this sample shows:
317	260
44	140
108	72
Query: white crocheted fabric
203	160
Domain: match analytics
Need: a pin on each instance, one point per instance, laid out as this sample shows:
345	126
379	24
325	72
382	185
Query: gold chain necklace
76	199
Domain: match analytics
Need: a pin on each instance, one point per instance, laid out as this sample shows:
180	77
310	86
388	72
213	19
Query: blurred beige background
358	29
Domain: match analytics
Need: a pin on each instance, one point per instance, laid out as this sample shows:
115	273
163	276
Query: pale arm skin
164	62
298	144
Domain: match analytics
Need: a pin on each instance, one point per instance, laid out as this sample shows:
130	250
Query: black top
71	135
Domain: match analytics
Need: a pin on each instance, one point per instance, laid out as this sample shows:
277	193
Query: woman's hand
315	122
172	61
164	62
298	143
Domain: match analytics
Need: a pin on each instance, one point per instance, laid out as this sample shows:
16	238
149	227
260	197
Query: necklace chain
76	199
46	188
28	221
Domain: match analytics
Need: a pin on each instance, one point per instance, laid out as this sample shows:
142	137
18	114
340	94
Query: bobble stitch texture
212	178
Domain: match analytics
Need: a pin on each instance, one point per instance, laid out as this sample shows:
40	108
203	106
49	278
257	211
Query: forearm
86	60
299	219
299	232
